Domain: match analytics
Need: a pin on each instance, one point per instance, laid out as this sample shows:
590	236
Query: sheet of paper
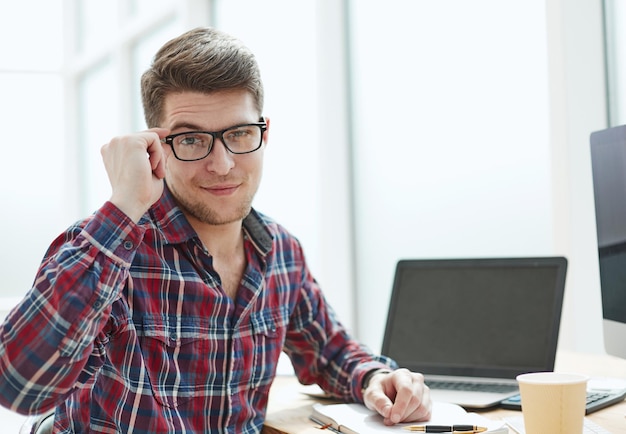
363	421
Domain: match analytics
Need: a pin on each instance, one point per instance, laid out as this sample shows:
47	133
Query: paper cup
553	402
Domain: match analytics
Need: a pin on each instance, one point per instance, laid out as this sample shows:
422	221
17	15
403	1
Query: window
615	23
113	44
33	160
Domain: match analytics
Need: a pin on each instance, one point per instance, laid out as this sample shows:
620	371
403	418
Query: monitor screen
608	160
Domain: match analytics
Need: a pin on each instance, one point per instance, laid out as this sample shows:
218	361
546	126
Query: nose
220	160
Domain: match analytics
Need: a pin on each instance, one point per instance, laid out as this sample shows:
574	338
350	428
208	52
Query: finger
155	152
162	132
405	392
418	407
375	397
424	411
412	398
376	400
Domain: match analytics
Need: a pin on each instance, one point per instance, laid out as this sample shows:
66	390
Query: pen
324	426
464	429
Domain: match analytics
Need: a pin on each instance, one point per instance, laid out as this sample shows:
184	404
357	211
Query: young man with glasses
168	308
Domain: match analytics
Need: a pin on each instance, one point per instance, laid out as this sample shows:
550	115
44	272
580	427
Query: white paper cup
553	402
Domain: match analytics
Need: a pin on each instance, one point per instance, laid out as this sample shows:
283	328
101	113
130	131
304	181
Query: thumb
375	399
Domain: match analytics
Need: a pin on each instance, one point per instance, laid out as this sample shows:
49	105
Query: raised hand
135	165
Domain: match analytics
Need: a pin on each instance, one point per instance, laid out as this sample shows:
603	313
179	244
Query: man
167	309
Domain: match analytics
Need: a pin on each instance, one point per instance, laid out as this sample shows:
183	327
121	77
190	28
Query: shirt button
97	304
128	245
173	336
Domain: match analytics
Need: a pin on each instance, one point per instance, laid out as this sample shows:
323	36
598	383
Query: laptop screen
476	317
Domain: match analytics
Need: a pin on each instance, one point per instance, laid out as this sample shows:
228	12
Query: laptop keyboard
472	387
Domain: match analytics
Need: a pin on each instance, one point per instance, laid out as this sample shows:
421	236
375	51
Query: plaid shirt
126	329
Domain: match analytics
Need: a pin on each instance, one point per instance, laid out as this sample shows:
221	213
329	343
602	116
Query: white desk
289	410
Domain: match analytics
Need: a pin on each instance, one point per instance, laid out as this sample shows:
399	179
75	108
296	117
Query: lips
222	189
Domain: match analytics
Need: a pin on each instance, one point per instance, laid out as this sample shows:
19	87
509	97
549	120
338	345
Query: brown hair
200	60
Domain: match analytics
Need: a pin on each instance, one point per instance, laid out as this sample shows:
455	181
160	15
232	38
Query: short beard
205	214
201	212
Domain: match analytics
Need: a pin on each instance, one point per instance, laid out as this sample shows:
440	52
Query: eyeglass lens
197	145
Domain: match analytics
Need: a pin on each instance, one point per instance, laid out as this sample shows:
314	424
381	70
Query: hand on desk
399	396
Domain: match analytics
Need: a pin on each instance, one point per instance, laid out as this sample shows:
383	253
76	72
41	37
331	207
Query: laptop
472	325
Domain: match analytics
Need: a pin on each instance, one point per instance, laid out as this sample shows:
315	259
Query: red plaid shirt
126	329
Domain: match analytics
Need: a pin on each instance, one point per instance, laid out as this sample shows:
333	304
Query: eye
237	134
193	140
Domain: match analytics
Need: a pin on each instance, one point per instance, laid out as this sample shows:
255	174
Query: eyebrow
193	127
186	125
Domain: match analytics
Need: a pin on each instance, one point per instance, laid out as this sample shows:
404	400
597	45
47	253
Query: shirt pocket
173	357
269	336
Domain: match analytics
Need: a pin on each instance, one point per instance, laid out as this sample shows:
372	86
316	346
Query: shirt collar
256	230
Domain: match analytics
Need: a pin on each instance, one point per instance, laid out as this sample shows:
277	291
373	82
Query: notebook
470	324
355	418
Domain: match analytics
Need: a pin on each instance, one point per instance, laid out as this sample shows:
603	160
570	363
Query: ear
266	133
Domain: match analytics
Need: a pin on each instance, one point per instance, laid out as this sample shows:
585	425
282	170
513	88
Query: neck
225	245
223	240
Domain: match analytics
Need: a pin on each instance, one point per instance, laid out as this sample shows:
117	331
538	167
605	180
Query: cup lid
552	378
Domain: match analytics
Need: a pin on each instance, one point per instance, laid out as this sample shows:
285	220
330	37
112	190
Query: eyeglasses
196	145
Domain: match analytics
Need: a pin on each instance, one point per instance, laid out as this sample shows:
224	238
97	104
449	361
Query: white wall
33	159
473	121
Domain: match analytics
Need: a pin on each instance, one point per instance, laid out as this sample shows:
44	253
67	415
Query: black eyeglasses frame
169	140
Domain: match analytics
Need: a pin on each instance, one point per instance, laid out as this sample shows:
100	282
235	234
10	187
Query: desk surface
289	409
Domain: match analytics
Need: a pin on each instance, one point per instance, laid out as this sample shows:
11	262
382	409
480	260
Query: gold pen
454	429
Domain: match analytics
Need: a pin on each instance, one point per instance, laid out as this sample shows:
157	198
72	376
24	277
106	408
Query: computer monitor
608	161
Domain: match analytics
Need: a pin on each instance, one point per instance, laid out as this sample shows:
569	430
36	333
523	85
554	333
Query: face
218	189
